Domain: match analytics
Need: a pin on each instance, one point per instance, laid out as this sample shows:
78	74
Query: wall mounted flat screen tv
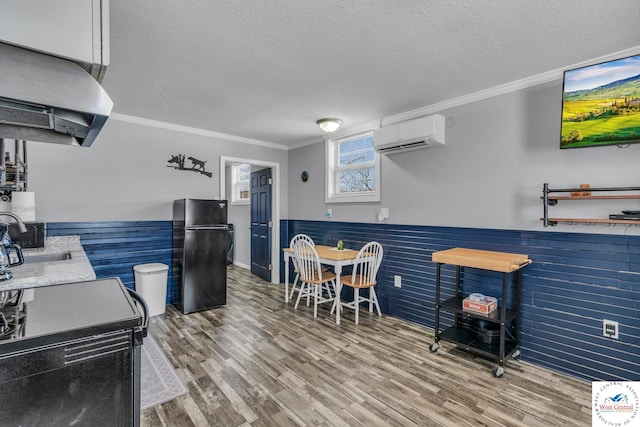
601	104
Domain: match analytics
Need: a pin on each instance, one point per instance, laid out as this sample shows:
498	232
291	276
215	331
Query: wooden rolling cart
461	332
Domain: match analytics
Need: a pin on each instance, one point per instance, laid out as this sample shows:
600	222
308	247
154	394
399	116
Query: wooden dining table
329	255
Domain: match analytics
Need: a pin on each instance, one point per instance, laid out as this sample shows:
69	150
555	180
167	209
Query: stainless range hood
49	99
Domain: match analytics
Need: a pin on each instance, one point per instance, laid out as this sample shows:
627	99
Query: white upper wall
498	154
124	176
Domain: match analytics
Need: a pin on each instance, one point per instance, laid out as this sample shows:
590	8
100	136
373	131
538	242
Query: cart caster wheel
516	354
498	372
434	347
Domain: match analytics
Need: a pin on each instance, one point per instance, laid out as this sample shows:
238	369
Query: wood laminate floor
259	362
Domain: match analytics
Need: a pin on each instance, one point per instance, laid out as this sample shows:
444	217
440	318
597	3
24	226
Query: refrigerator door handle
208	227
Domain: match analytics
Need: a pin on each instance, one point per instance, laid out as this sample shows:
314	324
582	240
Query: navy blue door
261	224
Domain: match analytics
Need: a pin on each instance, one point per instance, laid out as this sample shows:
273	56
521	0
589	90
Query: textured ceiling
268	69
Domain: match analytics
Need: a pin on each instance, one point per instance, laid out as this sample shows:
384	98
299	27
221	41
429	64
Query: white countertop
35	274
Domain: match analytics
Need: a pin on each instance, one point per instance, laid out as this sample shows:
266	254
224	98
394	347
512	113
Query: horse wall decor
196	165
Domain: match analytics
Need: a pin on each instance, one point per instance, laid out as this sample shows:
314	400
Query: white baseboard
241	265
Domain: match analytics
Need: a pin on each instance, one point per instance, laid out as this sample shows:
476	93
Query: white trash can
151	284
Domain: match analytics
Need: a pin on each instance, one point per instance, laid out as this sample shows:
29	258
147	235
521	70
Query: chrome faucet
21	225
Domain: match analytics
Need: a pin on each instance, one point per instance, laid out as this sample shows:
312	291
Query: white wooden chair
294	239
314	282
365	269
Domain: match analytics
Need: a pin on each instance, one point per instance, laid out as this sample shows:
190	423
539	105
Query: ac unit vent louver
418	133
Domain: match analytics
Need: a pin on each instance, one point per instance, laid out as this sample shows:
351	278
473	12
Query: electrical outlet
610	329
397	281
329	213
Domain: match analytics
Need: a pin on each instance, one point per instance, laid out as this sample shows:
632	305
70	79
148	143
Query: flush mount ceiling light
329	125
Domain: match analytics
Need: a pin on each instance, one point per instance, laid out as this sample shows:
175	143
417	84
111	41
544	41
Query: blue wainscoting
114	248
575	281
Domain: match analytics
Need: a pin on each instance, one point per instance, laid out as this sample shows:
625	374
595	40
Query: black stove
74	349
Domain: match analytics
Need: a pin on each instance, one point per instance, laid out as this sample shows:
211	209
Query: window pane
368	156
244	172
356	158
358	144
357	180
241	176
350	159
368	142
357	154
345	147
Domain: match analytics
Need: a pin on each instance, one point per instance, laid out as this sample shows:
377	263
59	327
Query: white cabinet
72	29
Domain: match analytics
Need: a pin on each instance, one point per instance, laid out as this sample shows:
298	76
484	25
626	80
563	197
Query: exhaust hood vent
49	99
25	115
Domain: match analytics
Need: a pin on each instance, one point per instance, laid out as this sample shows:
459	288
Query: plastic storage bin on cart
151	284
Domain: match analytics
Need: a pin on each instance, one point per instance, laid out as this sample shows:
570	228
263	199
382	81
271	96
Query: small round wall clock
304	176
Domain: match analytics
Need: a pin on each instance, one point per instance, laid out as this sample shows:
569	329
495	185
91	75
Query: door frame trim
275	204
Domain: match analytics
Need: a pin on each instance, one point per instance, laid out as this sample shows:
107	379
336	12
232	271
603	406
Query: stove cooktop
39	316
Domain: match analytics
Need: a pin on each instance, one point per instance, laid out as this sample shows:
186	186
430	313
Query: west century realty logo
615	403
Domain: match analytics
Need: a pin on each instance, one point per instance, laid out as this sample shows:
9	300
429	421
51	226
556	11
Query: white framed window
353	170
240	177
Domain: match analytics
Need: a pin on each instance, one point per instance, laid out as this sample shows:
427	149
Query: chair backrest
294	239
367	263
307	260
303	237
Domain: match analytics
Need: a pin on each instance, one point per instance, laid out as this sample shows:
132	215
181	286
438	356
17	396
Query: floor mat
159	381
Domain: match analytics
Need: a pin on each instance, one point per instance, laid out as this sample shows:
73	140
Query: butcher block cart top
487	260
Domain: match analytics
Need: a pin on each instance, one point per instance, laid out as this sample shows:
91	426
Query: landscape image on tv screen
601	104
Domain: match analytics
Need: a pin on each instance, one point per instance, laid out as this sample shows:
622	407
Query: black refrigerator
200	253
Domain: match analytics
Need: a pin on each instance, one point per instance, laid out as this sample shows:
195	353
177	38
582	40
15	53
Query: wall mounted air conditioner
423	132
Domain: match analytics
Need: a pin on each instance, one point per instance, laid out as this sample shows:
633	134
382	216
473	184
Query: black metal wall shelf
552	200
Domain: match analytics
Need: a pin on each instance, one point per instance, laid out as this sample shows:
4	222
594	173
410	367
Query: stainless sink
63	256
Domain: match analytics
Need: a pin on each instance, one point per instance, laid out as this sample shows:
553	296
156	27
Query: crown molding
536	80
194	131
306	143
